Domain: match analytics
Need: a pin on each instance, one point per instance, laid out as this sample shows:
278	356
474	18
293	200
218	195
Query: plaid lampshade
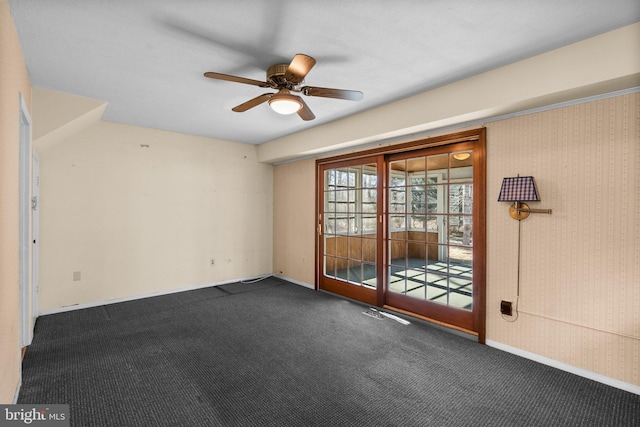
519	189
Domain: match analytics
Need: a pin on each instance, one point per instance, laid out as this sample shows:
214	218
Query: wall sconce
517	190
520	189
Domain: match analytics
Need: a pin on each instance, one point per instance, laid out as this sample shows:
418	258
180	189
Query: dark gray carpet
277	354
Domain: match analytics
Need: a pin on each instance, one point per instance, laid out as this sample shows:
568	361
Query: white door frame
35	235
25	327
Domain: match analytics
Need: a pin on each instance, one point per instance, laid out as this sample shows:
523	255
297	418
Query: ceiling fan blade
252	102
299	67
236	79
257	52
325	92
305	112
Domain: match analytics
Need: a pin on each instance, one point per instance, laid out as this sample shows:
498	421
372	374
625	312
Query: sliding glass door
406	231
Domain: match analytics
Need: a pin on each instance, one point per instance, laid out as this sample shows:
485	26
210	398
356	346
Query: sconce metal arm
547	211
520	211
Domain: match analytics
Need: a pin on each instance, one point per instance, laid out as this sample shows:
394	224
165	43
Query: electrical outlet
77	276
505	308
213	261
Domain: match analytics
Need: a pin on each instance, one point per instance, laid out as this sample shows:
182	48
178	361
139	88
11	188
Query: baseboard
631	388
17	392
141	296
294	281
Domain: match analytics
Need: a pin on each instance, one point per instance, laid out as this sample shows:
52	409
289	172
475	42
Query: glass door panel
430	234
350	227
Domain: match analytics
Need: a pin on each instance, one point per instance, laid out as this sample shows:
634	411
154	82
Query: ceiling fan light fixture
285	103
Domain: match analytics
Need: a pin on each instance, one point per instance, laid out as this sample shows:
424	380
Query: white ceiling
147	57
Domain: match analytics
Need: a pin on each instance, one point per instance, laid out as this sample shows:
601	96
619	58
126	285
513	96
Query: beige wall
294	211
580	299
137	211
14	79
580	294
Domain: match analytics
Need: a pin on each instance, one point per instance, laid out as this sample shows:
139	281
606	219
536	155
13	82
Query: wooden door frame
478	136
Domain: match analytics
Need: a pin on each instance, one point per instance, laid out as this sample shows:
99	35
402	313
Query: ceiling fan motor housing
275	76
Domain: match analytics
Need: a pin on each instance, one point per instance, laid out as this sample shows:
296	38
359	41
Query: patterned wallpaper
580	266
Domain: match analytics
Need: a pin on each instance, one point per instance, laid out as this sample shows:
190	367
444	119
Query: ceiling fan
288	78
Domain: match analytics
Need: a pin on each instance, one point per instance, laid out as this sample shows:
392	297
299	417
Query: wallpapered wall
579	295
